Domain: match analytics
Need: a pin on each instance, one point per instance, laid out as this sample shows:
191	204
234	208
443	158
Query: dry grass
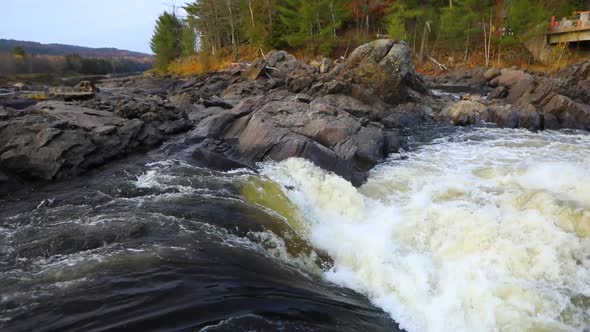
203	63
37	96
511	57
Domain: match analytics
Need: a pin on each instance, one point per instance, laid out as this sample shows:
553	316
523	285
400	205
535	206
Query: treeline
334	26
7	45
466	25
18	62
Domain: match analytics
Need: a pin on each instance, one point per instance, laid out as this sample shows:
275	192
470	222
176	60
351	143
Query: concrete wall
539	49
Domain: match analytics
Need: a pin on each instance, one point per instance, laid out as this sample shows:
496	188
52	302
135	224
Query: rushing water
470	230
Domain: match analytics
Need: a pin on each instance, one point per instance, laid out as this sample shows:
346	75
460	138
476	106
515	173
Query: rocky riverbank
519	99
344	116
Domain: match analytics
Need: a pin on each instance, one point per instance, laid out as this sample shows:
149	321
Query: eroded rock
279	127
385	66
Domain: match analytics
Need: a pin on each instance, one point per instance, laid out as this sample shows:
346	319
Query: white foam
484	231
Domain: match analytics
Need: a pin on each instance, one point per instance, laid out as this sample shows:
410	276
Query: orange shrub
202	63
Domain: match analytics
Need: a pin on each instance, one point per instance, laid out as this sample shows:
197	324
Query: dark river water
476	229
156	243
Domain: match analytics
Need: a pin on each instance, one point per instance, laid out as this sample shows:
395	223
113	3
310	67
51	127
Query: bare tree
424	41
234	42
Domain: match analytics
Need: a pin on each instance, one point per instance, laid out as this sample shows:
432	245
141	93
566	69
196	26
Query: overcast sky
124	24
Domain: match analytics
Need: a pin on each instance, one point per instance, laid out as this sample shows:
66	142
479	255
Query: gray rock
385	66
82	91
406	115
465	112
280	127
491	73
326	65
55	140
180	100
216	102
509	77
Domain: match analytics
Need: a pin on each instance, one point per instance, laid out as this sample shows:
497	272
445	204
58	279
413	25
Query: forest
232	29
16	64
18	57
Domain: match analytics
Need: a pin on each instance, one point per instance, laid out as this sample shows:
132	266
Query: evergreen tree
463	22
298	16
404	16
312	23
167	40
18	51
189	40
210	19
257	25
396	25
526	17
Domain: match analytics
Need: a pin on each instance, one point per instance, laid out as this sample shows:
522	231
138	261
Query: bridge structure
567	30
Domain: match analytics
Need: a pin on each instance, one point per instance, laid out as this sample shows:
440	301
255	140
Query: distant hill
6	45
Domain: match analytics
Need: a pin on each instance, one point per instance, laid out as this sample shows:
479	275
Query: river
469	229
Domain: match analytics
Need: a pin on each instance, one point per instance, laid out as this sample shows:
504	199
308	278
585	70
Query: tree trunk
367	17
433	52
269	4
251	13
415	32
233	30
490	35
217	46
467	44
423	42
485	41
333	18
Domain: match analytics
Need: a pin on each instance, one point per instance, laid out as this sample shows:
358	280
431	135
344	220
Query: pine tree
189	40
312	23
18	51
257	22
298	18
524	17
166	42
463	23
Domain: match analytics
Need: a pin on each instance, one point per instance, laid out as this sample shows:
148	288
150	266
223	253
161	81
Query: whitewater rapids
483	230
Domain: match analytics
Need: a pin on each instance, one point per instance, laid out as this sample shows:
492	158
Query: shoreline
344	116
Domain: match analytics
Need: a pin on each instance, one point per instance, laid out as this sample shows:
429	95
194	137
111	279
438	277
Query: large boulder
465	112
279	127
491	73
509	77
560	111
406	115
82	91
380	71
278	65
55	139
385	66
574	81
463	78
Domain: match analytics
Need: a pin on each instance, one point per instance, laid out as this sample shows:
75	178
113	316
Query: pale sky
124	24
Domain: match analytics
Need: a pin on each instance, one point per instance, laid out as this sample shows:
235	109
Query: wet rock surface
55	140
277	127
